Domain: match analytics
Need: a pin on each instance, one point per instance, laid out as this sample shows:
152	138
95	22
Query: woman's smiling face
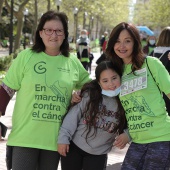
52	41
124	46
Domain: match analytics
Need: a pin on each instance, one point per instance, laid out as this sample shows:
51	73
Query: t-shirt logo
40	67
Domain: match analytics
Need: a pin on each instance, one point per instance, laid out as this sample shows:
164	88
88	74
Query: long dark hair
94	90
48	16
137	54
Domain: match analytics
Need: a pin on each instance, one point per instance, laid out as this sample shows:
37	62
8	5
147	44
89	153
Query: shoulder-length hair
137	54
48	16
164	38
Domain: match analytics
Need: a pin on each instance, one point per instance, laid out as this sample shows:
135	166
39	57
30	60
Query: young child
92	126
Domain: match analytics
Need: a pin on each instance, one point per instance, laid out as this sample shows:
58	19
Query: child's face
124	46
109	80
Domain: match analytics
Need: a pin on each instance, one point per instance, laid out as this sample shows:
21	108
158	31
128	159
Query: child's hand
121	141
76	97
63	149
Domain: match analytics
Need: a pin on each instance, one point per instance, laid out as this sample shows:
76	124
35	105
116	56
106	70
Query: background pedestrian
161	51
149	47
83	48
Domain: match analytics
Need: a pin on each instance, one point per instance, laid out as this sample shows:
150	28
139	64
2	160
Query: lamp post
11	29
75	23
25	15
58	2
84	19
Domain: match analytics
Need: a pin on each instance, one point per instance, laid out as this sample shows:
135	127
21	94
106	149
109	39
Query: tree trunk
19	31
19	15
35	21
48	5
1	5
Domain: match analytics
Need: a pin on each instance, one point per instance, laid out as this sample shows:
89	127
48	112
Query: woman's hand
169	55
63	149
76	97
121	141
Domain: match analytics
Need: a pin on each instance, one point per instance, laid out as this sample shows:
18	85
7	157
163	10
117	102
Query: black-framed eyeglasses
58	32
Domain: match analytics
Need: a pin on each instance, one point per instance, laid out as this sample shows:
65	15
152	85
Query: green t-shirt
150	50
145	109
44	87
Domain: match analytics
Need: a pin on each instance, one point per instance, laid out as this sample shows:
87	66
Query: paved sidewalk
4	52
115	157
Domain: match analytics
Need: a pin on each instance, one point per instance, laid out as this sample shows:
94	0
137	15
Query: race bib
132	83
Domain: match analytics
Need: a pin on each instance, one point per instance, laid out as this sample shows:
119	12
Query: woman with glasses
43	78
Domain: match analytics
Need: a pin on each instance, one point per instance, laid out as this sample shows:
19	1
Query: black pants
85	65
78	159
34	159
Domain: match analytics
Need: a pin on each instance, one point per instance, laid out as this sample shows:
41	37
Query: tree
1	6
19	15
158	13
154	14
105	15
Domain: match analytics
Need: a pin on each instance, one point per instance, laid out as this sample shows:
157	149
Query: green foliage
159	12
4	11
154	14
106	14
5	62
2	75
16	53
4	43
109	14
